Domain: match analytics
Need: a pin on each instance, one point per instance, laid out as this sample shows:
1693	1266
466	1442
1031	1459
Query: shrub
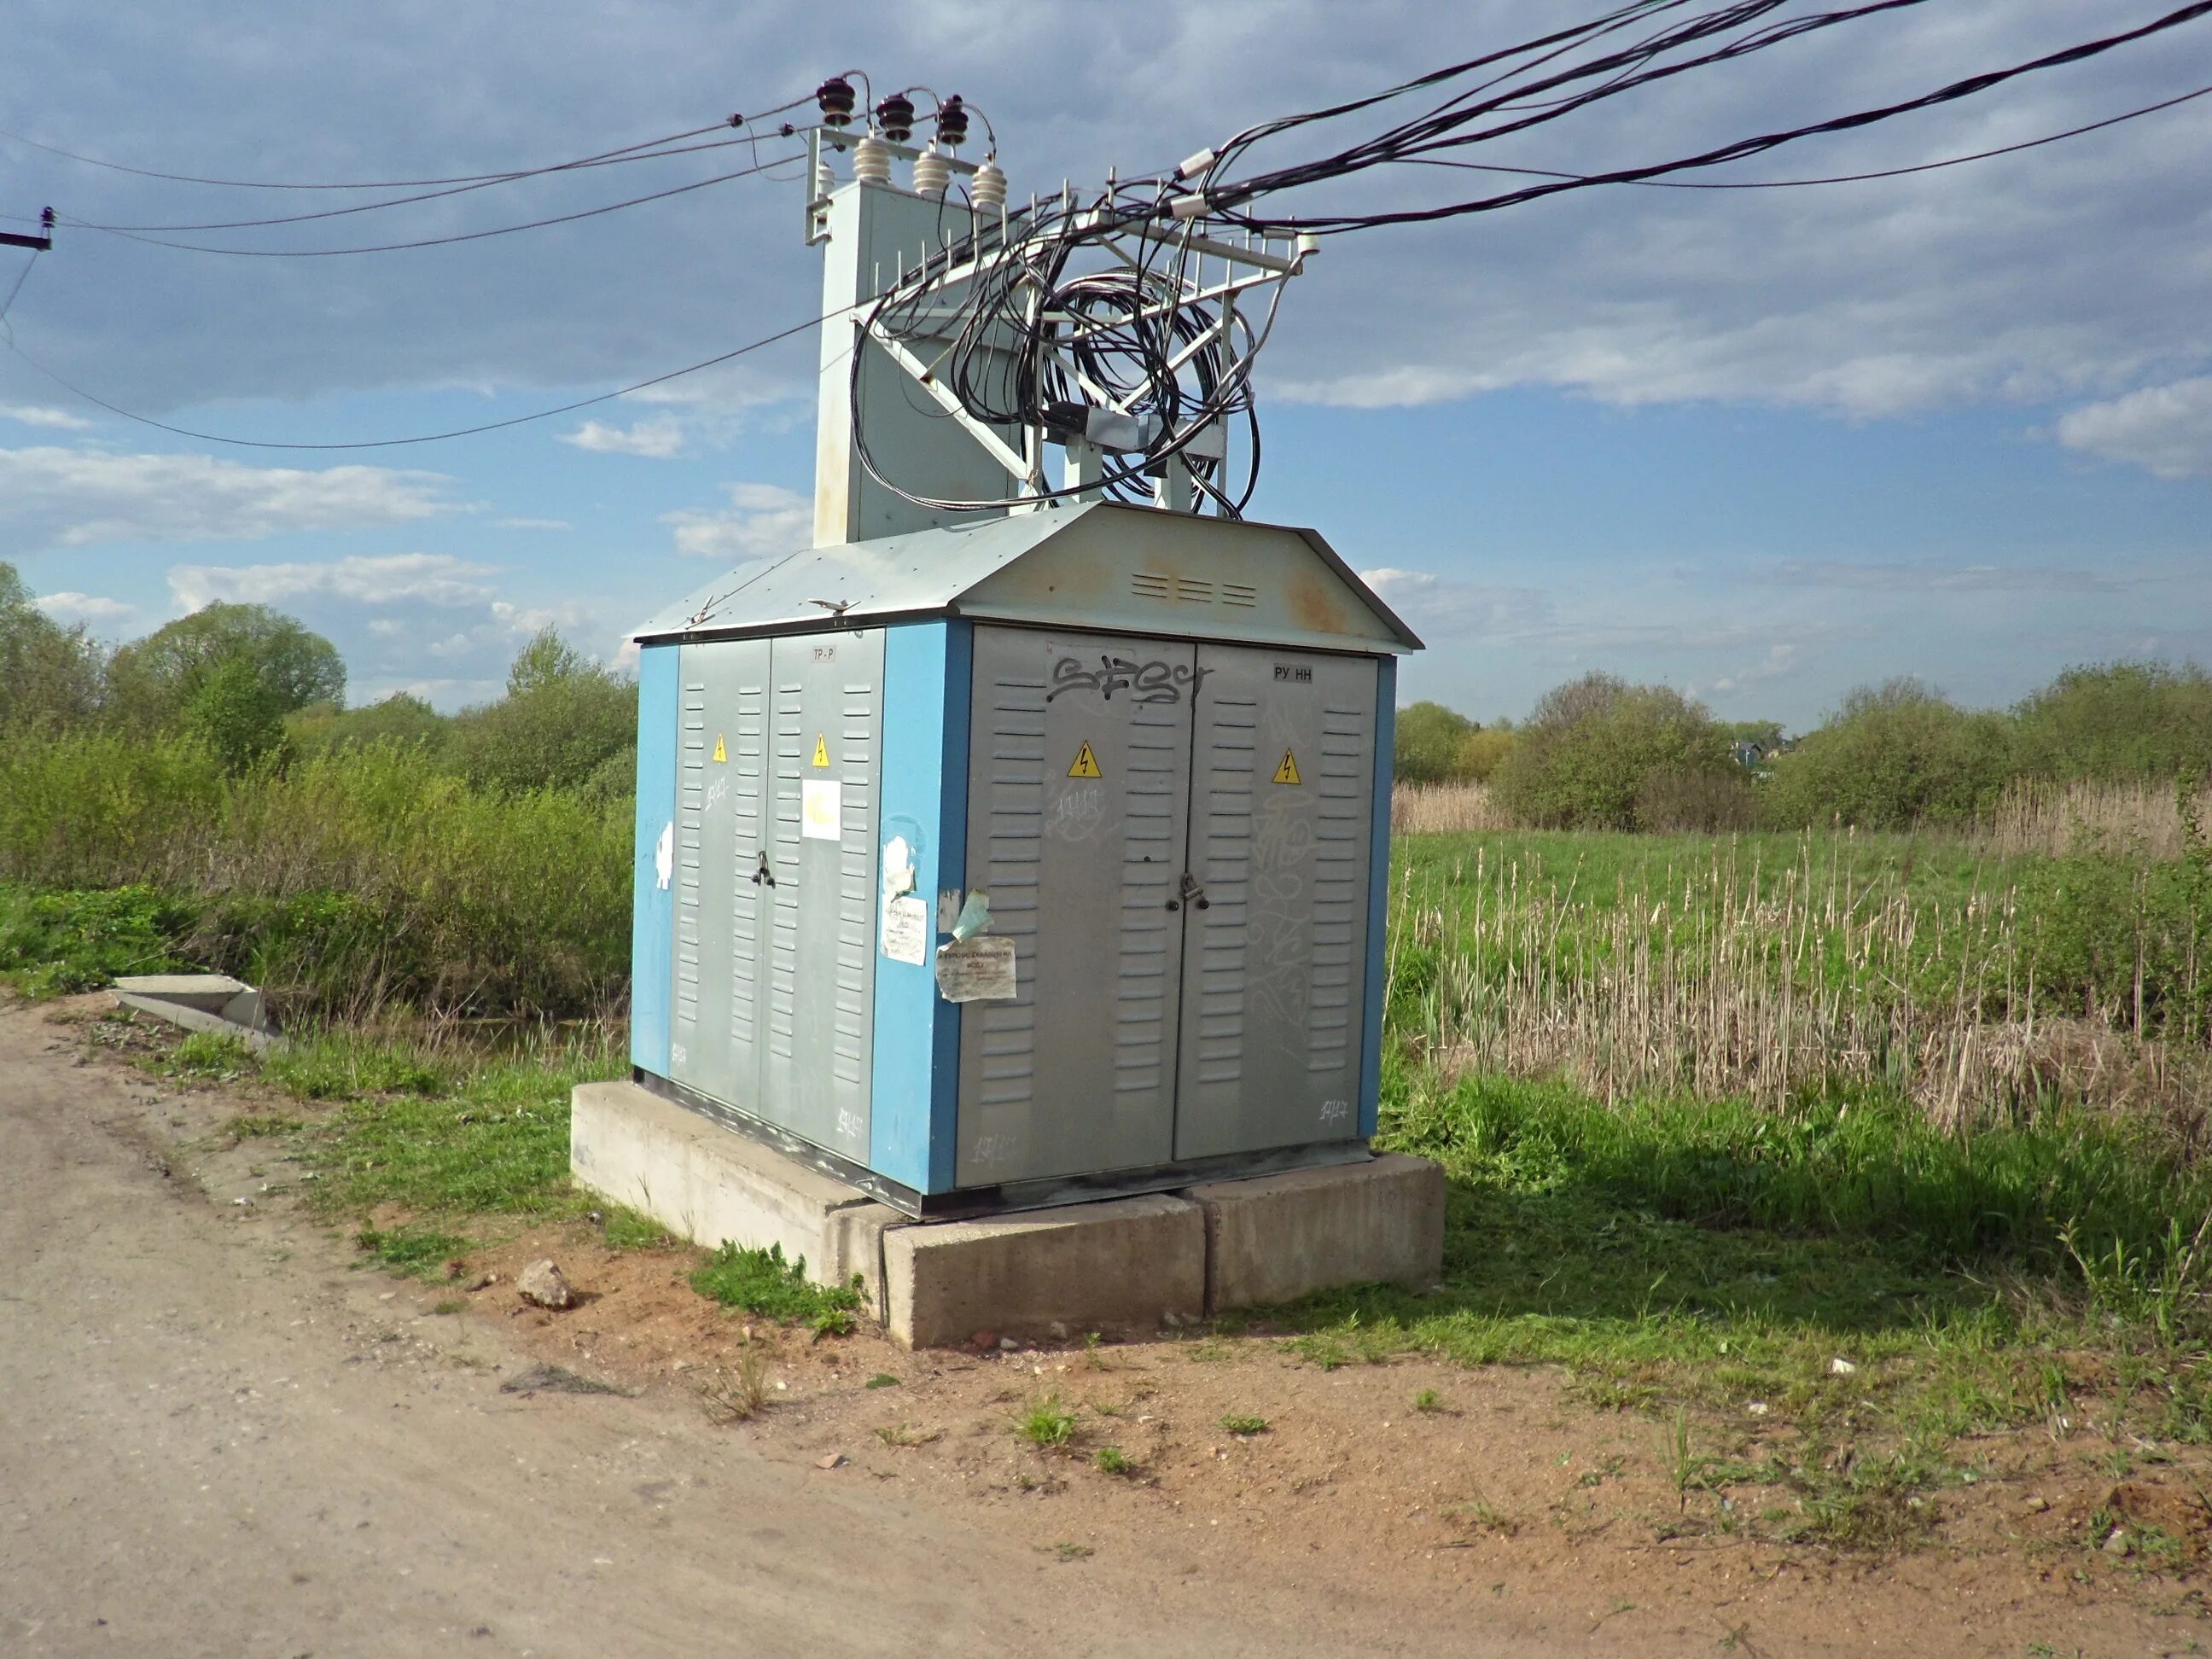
1893	756
50	676
342	882
1478	755
399	717
1426	742
2119	721
562	720
1584	757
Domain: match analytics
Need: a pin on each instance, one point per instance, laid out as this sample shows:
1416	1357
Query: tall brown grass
2140	817
1429	809
2035	817
1716	978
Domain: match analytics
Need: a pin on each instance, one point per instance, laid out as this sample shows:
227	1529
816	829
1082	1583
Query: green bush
400	717
50	676
1893	757
1427	737
562	719
2119	721
1595	748
339	883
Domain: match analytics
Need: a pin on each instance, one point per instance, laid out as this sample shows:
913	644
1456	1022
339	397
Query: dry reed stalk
1428	809
1709	983
2039	817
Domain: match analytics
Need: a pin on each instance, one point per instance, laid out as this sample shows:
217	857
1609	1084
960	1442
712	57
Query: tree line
1599	753
253	687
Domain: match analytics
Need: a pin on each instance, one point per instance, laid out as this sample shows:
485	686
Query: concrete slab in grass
1118	1265
1275	1237
711	1185
199	1002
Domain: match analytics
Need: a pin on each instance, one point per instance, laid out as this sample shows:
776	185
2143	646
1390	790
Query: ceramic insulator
931	172
871	161
987	189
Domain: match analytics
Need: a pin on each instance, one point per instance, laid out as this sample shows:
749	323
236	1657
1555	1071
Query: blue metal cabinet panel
916	1052
652	913
1378	894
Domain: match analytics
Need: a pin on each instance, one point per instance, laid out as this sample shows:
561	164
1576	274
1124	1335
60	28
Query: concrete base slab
704	1184
1279	1236
199	1002
1120	1265
1123	1266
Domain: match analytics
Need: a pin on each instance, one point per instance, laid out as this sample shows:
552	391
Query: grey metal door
825	761
1282	767
721	802
1078	769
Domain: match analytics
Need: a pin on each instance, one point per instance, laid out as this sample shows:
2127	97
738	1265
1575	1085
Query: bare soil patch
1502	1495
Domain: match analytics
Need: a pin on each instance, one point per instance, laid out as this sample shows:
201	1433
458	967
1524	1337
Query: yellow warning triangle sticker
1086	763
722	749
1288	771
821	749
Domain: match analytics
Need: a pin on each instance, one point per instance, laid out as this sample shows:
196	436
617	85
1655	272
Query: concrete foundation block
1275	1238
1120	1265
712	1186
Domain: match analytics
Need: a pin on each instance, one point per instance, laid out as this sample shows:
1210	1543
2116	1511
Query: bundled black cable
1537	86
1042	340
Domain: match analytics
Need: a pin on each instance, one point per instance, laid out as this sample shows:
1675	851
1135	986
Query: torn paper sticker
974	915
664	856
822	809
977	969
906	930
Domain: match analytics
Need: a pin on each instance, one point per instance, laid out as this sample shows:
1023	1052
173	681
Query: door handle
763	875
1192	892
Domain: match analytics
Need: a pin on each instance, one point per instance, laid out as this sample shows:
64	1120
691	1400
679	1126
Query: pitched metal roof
1102	565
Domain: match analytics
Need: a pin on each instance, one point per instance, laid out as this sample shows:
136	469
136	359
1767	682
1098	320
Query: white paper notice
822	809
906	930
977	969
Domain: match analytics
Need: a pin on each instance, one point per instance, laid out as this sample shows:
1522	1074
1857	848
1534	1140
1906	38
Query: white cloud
1780	659
1943	579
84	607
36	415
660	437
763	519
530	523
52	497
432	578
2166	429
1443	607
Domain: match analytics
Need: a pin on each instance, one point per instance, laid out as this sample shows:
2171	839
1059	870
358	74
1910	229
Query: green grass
414	1251
57	944
1045	1423
1692	1259
1241	1424
1112	1460
762	1282
210	1056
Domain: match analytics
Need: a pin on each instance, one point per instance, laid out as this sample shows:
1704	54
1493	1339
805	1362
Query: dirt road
217	1437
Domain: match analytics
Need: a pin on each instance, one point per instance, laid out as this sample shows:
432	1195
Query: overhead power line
616	159
117	409
383	183
439	241
1511	103
1837	178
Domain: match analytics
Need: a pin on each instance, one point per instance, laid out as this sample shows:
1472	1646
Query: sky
1761	445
